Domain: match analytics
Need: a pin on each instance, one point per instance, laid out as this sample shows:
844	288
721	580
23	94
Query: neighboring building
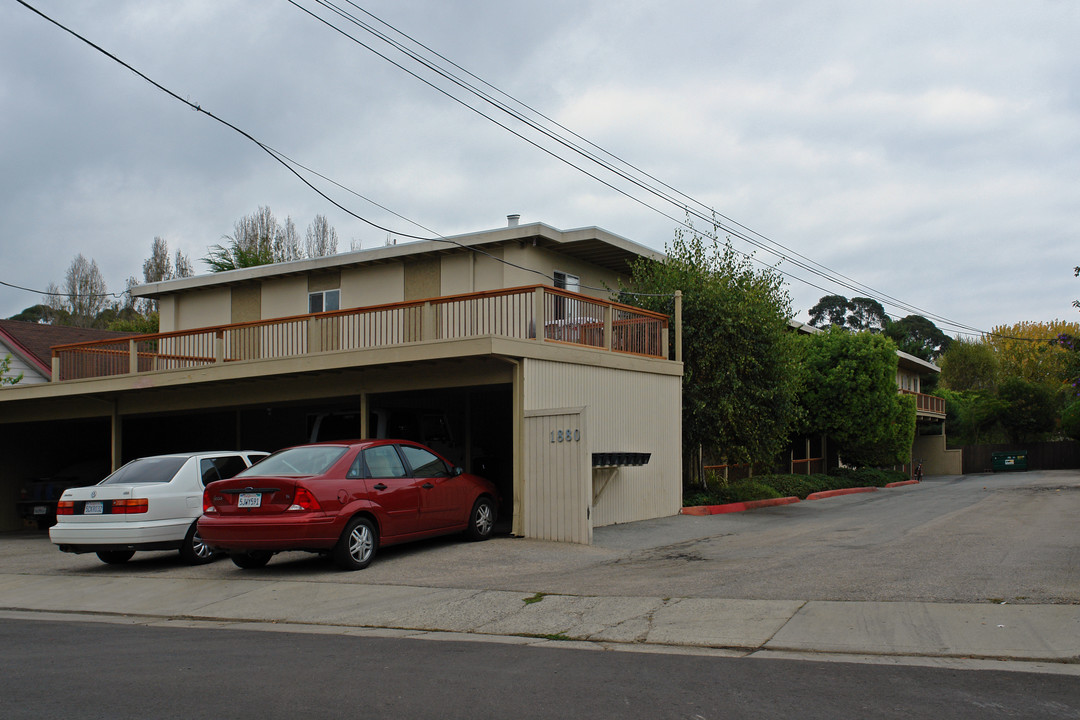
809	454
500	348
929	446
30	346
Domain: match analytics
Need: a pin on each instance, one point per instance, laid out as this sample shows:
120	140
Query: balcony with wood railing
565	318
928	405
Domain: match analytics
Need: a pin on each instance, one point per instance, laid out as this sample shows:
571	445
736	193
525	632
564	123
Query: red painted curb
902	482
737	507
833	493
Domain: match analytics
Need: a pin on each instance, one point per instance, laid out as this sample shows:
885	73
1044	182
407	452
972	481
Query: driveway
978	538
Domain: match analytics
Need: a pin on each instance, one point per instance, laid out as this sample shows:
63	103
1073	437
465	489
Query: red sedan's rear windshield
146	470
310	460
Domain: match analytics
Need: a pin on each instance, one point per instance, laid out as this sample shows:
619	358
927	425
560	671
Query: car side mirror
458	471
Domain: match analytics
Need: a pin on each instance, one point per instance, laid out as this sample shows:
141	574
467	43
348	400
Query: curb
833	493
737	507
754	504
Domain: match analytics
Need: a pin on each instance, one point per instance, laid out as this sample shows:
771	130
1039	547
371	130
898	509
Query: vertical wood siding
557	494
625	412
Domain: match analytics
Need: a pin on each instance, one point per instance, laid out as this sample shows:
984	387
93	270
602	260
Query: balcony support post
427	322
133	356
219	347
607	327
538	314
678	326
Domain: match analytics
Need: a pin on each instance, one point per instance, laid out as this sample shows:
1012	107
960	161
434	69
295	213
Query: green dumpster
1009	461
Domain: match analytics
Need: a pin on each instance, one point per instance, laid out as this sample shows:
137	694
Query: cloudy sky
927	151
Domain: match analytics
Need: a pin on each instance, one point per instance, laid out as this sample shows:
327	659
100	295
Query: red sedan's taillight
207	504
65	507
133	506
304	500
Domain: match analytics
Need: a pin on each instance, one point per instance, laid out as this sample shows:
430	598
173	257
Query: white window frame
325	298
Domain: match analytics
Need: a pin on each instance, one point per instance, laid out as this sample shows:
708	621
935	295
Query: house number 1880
566	435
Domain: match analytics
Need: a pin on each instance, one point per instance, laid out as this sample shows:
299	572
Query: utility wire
291	165
825	272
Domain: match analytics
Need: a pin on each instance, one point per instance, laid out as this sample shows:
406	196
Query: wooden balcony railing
565	317
927	404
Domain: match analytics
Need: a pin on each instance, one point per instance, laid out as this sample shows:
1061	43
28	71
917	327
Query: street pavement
308	596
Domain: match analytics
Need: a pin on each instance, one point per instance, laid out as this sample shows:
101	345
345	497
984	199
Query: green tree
918	336
82	296
969	365
40	313
1070	421
971	416
5	367
857	314
1029	409
741	374
259	239
851	396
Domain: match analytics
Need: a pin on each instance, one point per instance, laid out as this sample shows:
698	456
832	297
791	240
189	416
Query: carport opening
472	427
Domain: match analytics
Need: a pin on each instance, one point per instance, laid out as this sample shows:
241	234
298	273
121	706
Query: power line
744	234
292	165
289	164
54	293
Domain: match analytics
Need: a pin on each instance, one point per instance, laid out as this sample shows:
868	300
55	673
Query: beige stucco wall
936	458
547	262
284	297
372	285
203	308
457	274
625	411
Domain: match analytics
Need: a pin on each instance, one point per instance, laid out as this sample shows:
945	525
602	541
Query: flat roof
590	244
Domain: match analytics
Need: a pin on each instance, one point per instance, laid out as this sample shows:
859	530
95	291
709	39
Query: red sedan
344	499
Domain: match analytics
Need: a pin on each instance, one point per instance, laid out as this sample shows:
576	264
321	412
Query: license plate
92	508
249	500
41	510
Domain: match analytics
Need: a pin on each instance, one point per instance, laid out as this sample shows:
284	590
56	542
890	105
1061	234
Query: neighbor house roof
33	342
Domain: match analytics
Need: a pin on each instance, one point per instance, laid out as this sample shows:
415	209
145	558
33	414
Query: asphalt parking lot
978	538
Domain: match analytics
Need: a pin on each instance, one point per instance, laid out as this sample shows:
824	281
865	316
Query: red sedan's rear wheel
357	545
482	519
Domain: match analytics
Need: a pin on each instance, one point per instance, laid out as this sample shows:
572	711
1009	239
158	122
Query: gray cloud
928	150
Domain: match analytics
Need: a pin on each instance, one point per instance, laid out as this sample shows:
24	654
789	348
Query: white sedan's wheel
194	551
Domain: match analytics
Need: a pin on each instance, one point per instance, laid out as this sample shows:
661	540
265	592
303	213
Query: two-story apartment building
500	348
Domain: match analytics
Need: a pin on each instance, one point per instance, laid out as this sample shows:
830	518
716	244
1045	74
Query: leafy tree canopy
1033	351
1029	410
851	396
970	365
855	314
741	374
1070	421
259	239
40	313
918	336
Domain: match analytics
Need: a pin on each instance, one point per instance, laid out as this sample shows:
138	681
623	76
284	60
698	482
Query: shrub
763	487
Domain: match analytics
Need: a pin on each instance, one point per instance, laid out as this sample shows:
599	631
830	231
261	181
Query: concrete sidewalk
1039	638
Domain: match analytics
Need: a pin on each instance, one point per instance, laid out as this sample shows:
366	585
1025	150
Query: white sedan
152	503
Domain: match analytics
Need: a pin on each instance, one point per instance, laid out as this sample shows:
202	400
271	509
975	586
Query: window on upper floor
565	307
324	301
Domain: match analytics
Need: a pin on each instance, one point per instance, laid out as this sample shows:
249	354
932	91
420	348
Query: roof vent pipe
512	220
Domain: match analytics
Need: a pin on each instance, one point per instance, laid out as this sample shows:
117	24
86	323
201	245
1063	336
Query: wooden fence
1061	455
